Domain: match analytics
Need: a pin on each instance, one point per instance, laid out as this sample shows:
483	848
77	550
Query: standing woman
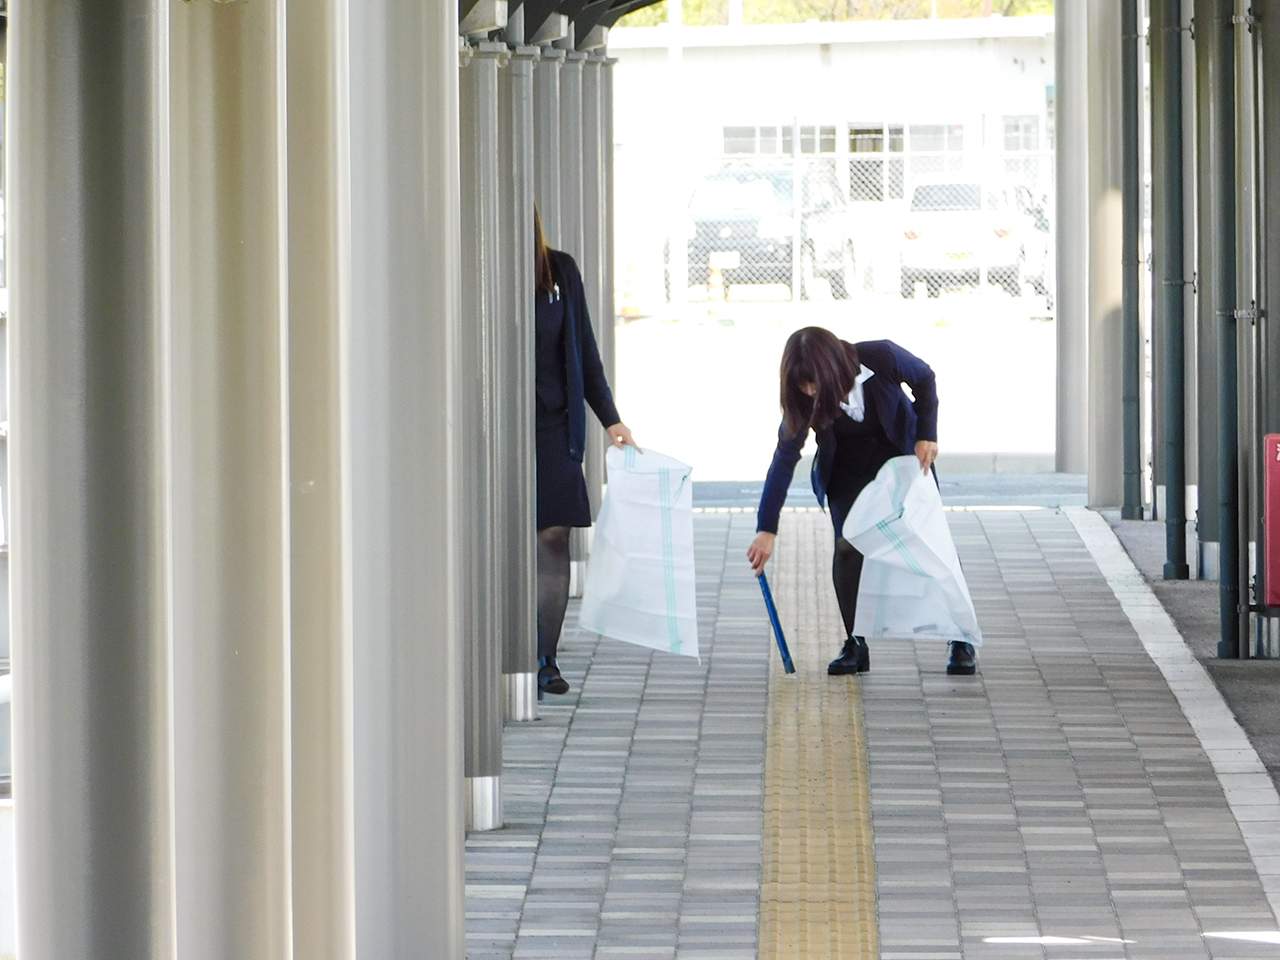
851	396
569	376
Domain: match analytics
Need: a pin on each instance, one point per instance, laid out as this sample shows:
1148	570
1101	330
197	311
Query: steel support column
1131	361
319	517
1105	350
516	379
407	668
1267	39
546	125
1218	34
1169	257
594	148
479	516
87	279
1071	117
607	329
229	481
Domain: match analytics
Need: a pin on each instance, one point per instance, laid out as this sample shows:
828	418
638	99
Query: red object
1271	516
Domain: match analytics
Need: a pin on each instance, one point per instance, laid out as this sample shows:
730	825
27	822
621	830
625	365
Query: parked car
957	230
741	221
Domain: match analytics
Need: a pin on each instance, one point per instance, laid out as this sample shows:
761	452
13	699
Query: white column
319	505
480	516
546	126
516	378
1071	139
87	275
407	668
1106	470
591	226
229	481
607	342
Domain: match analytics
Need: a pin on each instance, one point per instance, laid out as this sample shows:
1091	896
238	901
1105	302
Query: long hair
546	275
817	356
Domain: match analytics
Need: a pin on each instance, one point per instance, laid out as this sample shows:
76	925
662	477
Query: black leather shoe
854	658
549	679
962	663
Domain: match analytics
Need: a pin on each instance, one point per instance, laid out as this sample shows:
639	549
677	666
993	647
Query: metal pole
407	678
1132	335
87	275
229	481
1221	84
1106	442
319	531
516	379
474	376
1168	213
1071	144
593	215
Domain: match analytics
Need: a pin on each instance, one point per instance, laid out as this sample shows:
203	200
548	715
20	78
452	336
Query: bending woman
569	376
851	396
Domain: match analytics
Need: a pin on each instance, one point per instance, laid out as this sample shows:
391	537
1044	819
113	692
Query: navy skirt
562	492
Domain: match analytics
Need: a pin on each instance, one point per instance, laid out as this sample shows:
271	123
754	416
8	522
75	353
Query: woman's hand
760	550
620	436
926	453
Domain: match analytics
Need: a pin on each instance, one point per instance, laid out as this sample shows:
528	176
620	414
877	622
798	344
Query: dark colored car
741	221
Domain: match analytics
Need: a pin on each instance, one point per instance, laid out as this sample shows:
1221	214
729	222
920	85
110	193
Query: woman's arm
919	376
781	470
595	386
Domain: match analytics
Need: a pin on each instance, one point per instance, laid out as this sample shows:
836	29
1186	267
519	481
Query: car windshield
741	195
935	197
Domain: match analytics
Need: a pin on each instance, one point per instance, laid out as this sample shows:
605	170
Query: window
778	140
936	138
739	140
866	139
1022	133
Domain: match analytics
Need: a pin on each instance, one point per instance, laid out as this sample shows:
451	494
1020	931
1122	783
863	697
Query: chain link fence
874	220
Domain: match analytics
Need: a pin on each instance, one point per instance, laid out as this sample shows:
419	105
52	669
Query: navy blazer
905	423
584	373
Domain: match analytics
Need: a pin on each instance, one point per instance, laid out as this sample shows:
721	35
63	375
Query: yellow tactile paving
818	895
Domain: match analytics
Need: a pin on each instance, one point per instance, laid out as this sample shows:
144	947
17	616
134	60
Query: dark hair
546	275
818	356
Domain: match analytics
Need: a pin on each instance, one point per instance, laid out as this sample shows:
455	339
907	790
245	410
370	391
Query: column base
484	804
521	696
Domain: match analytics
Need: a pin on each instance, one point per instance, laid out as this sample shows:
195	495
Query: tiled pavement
1060	794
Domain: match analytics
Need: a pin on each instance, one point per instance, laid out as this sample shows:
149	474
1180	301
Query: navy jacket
905	423
584	373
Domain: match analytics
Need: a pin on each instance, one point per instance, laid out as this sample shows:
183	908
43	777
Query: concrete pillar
479	516
1105	447
516	379
546	125
87	280
319	502
1071	117
406	656
228	484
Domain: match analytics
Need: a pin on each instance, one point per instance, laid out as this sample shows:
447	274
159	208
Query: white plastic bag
640	578
912	586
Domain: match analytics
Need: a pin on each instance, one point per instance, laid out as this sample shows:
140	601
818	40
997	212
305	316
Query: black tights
846	573
553	587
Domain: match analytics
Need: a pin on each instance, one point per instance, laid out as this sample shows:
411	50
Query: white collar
855	404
